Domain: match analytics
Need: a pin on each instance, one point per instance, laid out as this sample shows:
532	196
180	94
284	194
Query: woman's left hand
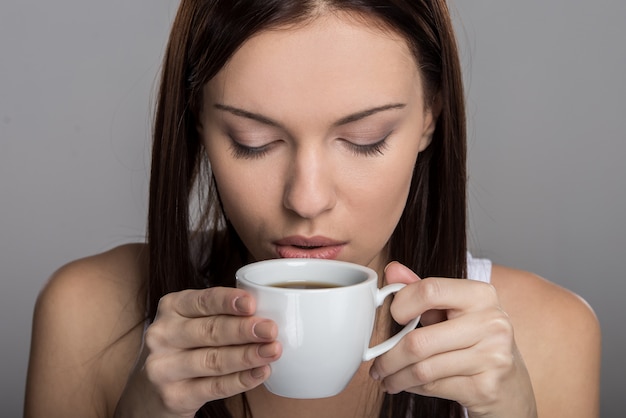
465	351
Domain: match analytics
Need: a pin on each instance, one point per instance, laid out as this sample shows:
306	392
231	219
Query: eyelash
250	153
370	150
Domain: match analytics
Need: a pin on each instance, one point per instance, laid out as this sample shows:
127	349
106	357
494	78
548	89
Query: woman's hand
465	351
203	345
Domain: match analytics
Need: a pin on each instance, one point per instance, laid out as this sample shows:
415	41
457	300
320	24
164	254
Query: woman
330	129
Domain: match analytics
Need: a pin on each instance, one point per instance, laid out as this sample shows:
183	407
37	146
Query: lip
308	247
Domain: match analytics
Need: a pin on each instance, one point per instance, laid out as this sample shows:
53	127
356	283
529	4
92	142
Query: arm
85	337
559	337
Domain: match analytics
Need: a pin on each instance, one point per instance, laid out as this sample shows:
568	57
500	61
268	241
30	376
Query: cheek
384	199
236	192
246	196
227	185
393	185
391	200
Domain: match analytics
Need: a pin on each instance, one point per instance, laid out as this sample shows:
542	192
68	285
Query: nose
310	186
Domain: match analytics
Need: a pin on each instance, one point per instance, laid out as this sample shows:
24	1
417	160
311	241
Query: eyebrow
343	121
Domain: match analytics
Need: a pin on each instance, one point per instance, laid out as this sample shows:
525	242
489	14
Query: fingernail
258	373
242	304
267	350
374	374
264	330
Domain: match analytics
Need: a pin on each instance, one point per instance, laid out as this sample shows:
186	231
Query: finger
425	342
396	272
212	362
196	392
470	389
460	388
453	295
196	303
222	330
433	369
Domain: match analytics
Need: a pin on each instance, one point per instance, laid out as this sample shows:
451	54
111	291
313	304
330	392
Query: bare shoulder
558	334
98	286
533	297
542	306
86	333
121	265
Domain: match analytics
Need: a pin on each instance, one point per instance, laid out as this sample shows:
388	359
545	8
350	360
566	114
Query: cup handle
388	344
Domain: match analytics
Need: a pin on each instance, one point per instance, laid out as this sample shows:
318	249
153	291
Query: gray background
546	104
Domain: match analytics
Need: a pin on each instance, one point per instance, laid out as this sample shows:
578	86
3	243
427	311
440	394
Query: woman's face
312	133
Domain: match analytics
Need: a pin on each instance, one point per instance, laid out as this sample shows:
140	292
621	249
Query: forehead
335	58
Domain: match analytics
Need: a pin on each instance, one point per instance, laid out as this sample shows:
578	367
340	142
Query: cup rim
240	275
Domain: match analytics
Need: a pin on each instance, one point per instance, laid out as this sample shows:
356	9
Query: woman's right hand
203	345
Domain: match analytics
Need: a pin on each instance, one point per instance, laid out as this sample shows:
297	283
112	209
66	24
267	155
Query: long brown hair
430	237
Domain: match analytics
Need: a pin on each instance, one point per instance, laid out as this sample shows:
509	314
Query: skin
519	347
308	179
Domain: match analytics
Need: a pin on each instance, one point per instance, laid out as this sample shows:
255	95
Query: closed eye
377	148
241	151
369	150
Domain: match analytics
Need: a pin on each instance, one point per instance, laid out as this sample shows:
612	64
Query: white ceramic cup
324	332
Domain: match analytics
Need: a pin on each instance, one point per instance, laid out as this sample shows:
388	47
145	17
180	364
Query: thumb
399	273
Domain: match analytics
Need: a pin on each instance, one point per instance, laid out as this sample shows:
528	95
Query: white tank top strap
478	269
